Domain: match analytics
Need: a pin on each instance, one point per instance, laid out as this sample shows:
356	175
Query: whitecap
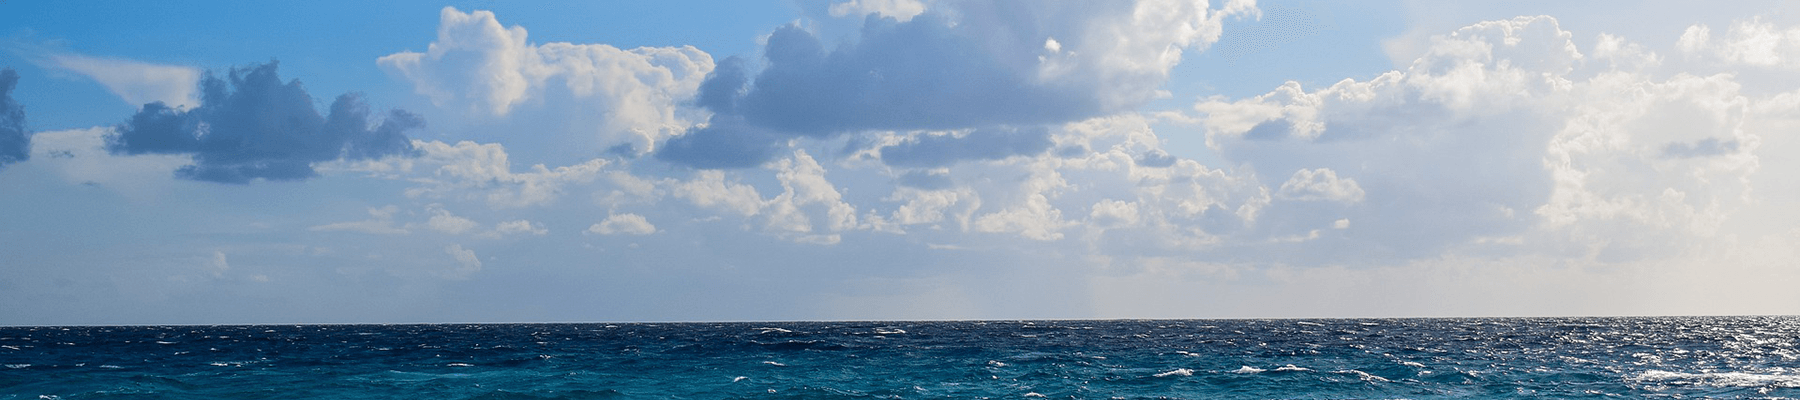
890	331
774	363
1367	377
460	365
1034	394
18	366
1720	379
1292	368
9	347
996	364
768	330
1308	323
1177	372
739	378
1247	370
1412	364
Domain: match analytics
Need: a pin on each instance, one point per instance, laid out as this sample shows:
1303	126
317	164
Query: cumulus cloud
444	221
15	140
957	65
1320	184
136	82
1753	42
1505	136
477	64
484	171
623	224
1113	213
254	126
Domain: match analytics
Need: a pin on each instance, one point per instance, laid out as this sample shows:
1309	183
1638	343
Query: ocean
1478	358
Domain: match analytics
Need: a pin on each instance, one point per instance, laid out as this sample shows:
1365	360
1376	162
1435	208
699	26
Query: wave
1718	379
1177	372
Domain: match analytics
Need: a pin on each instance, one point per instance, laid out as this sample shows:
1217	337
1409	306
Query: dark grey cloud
927	73
255	126
919	74
980	144
726	142
15	141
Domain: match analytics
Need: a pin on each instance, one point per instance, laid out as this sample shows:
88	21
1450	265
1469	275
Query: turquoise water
1701	357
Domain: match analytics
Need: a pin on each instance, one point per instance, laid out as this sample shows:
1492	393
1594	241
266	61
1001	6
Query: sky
483	161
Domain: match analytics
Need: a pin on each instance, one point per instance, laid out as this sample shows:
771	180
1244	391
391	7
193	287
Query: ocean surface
1569	358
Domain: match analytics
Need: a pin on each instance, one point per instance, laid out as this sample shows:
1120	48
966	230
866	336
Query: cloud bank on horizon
937	159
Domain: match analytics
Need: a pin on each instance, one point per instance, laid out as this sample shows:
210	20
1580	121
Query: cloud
726	142
484	171
623	224
1506	138
957	65
466	263
1113	214
15	140
478	65
901	10
380	222
1320	184
943	149
256	127
1754	42
516	227
219	264
136	82
1700	148
443	221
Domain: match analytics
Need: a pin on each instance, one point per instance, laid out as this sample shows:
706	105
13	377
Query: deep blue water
1687	357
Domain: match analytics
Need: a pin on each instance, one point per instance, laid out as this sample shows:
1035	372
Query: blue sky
483	161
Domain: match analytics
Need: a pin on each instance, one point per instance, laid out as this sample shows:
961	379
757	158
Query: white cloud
803	184
476	64
1113	214
623	224
902	10
219	264
444	221
380	222
1320	184
136	82
520	227
466	263
1032	217
1617	155
1753	42
710	189
471	170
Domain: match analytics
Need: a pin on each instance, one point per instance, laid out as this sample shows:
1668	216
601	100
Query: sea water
1600	358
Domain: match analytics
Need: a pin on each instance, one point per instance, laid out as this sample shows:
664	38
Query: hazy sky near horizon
482	161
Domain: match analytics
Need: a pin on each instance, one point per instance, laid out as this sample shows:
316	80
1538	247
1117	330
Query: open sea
1482	358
